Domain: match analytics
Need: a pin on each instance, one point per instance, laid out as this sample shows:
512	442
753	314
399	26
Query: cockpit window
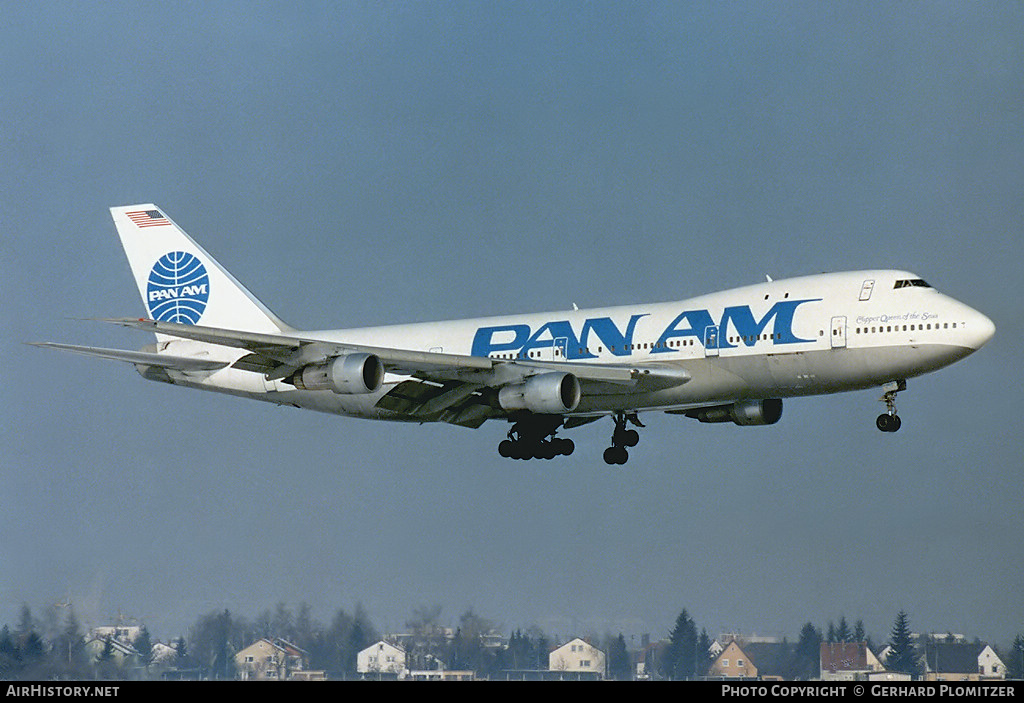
911	283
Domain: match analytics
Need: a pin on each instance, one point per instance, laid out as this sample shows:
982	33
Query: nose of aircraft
980	329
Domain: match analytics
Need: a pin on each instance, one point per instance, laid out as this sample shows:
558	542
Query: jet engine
743	412
546	393
351	373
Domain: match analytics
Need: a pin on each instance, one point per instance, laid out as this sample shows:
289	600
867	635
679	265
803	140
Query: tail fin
179	281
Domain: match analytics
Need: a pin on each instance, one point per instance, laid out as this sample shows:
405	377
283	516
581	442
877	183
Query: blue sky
368	163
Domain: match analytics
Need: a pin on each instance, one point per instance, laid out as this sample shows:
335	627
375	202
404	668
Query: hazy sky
370	163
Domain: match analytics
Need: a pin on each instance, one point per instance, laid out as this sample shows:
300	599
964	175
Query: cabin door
839	332
711	341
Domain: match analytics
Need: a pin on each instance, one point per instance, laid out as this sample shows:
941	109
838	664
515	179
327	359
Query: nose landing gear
889	421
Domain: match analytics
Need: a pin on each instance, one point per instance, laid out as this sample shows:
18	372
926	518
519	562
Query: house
270	660
111	649
732	663
381	658
125	634
577	655
990	666
961	661
846	661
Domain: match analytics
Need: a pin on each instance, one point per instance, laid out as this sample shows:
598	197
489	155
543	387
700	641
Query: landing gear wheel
565	447
888	423
626	438
616	455
533	437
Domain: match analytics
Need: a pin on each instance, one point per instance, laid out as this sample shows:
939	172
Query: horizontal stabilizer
181	363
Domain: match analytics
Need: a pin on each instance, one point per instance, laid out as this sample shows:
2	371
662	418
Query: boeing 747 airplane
730	356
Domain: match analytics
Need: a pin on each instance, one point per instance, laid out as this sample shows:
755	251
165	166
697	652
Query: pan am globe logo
178	289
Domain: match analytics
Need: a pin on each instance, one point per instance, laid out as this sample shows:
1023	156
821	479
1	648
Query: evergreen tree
33	656
618	660
104	662
359	638
1015	659
107	653
704	659
69	648
543	650
859	635
26	626
680	660
213	641
902	654
223	665
808	653
181	658
305	629
143	644
520	653
843	633
10	655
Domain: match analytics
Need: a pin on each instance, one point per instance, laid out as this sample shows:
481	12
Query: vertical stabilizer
179	281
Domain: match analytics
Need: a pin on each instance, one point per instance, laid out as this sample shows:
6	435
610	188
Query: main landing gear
534	438
622	438
889	421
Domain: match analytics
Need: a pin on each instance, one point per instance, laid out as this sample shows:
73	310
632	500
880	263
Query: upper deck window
911	283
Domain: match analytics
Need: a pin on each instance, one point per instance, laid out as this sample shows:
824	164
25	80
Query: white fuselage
803	336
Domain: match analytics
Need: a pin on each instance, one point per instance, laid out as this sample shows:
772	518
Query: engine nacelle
349	374
546	393
743	412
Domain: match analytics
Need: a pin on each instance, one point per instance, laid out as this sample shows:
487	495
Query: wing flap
423	399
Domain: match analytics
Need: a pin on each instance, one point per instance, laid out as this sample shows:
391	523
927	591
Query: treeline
475	645
54	647
216	637
687	655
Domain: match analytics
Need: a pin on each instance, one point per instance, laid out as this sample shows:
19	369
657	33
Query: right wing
166	361
279	356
